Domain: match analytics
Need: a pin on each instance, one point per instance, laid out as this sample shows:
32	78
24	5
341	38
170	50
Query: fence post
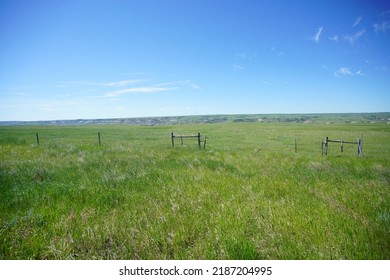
173	141
324	146
204	143
360	151
36	134
342	146
296	147
99	137
199	140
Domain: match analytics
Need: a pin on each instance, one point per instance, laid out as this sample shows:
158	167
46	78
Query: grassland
248	195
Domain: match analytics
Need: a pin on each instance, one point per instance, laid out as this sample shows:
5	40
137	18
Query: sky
71	59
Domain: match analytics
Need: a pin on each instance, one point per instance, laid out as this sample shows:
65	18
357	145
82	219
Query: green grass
247	196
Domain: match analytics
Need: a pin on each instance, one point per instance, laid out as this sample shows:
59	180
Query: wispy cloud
264	82
22	94
334	38
188	83
121	83
174	83
345	71
134	90
352	38
381	27
317	36
277	52
102	84
241	56
194	86
385	13
357	21
238	67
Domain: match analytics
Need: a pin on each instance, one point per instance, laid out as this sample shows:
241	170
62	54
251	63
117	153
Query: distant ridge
342	118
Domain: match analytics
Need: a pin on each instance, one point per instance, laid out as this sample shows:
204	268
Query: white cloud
352	38
241	56
121	108
345	71
189	83
357	21
385	13
174	83
238	67
334	38
144	90
382	27
316	37
195	86
101	84
120	83
22	94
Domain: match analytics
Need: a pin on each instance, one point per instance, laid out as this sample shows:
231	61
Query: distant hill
358	118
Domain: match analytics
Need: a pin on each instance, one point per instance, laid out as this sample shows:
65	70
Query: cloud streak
357	21
119	88
120	83
317	36
352	38
241	56
345	71
135	90
238	67
102	84
381	27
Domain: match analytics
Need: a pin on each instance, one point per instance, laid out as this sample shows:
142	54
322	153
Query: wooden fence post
199	140
296	147
99	137
173	141
360	151
324	146
36	134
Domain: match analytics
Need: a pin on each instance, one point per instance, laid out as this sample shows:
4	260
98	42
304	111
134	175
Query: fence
188	136
259	142
38	139
326	141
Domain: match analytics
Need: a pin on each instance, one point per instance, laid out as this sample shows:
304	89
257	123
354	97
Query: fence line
188	136
281	143
326	142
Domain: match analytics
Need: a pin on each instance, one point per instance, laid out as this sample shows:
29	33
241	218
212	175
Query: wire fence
375	144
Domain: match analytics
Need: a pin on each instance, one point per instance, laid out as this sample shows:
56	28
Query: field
249	195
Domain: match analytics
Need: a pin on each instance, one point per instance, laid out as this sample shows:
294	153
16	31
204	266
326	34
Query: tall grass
248	195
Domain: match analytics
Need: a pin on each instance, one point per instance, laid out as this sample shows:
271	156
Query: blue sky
137	58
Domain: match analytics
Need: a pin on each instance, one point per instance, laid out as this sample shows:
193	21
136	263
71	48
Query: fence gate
188	136
326	141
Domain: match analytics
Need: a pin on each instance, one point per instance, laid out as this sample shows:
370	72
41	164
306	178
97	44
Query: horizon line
191	115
